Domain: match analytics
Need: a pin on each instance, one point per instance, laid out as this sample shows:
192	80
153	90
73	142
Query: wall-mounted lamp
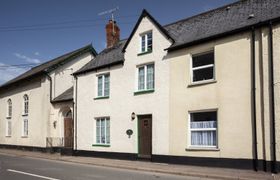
133	116
54	124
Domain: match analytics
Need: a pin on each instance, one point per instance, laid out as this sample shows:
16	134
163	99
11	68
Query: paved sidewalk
215	173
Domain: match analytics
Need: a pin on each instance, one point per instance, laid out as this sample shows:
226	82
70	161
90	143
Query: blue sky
35	31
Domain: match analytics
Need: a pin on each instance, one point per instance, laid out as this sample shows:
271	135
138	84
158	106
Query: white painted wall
42	113
123	102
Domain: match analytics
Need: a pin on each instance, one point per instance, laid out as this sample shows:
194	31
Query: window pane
25	127
150	76
141	78
97	131
150	41
203	138
143	43
204	116
203	74
203	59
103	131
107	85
100	88
107	131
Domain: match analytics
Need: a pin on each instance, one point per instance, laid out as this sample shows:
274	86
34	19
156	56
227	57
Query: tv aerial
110	11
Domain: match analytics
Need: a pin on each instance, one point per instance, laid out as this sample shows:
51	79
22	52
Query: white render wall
123	102
42	113
39	108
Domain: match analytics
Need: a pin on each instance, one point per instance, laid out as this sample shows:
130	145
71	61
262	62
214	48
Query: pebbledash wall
122	101
42	113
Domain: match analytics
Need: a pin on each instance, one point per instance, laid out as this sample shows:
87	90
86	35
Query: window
103	85
146	42
203	129
103	131
146	77
203	67
9	117
8	127
25	127
25	105
9	108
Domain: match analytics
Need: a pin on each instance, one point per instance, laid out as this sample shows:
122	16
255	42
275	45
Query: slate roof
65	96
50	65
232	17
107	57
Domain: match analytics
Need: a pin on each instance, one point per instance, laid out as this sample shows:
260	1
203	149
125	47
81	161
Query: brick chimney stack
112	33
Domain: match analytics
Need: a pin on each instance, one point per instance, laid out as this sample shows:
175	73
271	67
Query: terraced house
201	91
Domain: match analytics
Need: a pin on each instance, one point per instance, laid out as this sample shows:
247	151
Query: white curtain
203	133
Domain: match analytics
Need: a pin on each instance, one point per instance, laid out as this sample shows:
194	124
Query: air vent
251	16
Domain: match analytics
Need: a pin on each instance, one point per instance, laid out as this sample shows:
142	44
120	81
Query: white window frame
25	105
105	133
146	41
190	146
103	84
202	67
145	77
25	131
8	127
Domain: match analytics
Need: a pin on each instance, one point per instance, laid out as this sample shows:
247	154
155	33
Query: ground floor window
8	127
25	127
203	129
103	131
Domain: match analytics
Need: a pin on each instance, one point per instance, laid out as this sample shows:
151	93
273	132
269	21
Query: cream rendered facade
42	113
229	94
122	101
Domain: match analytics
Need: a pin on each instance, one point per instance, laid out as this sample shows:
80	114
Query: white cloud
27	59
8	73
37	54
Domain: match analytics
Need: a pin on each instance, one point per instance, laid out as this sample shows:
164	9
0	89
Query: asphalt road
25	168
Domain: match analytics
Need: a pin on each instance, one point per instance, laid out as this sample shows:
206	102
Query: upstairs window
9	108
103	85
203	129
203	67
146	77
25	105
146	42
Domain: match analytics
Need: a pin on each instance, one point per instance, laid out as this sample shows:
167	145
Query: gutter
273	135
253	101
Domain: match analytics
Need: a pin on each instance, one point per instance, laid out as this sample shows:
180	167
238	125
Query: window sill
202	149
8	136
24	115
200	83
103	97
24	136
8	117
101	145
143	53
143	92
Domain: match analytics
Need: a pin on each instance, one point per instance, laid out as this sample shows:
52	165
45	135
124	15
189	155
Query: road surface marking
29	174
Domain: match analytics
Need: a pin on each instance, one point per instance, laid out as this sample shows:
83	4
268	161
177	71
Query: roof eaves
99	67
145	13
